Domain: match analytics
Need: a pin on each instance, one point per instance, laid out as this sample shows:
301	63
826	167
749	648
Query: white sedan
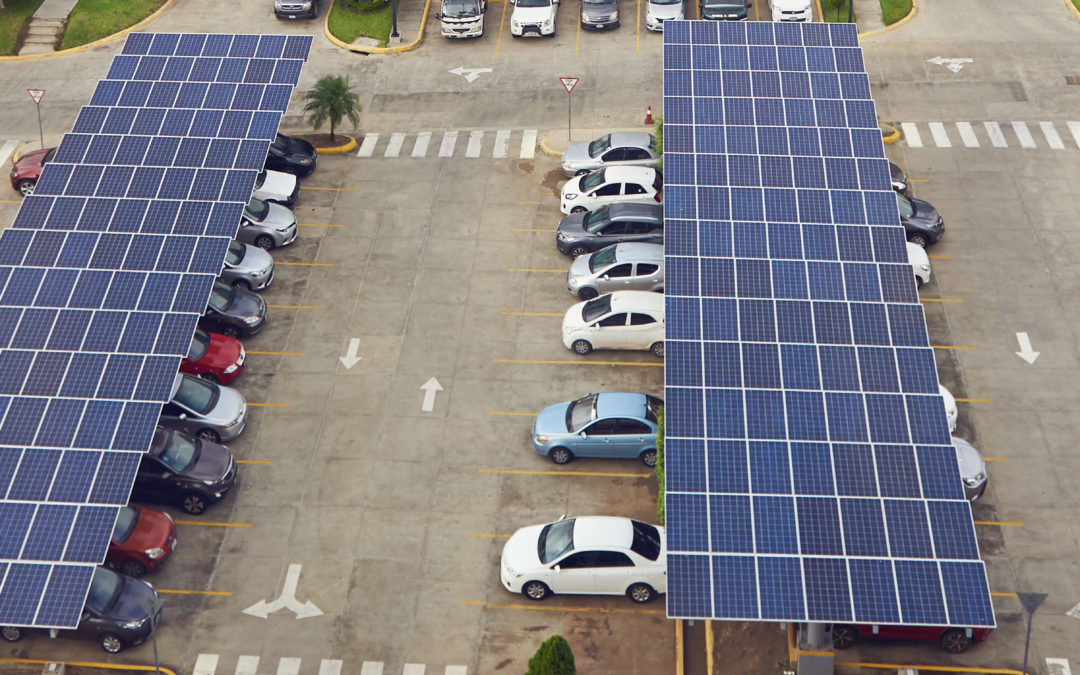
920	263
951	413
276	186
619	320
596	555
611	184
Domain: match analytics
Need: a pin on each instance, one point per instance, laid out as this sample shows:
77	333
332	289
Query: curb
96	43
1073	9
89	664
901	22
375	50
338	149
889	138
544	146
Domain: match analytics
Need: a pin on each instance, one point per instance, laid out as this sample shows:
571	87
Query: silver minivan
247	267
210	411
629	266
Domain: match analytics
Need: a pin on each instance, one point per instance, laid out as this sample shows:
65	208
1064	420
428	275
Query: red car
25	173
142	540
214	357
953	640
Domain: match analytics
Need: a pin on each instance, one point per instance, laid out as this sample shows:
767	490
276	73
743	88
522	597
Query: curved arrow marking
286	600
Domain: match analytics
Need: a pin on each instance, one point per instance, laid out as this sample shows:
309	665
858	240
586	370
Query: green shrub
658	131
660	465
552	658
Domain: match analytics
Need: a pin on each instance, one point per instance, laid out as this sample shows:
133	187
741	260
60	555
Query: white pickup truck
462	18
533	16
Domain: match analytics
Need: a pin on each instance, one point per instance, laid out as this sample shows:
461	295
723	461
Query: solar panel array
810	474
103	276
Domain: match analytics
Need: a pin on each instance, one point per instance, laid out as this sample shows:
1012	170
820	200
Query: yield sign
567	82
36	94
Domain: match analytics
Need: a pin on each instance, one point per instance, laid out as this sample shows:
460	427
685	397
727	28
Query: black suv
291	155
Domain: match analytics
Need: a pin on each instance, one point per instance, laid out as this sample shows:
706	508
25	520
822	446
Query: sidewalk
46	26
868	15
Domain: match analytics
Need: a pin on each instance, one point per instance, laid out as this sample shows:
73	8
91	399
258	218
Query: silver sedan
210	411
267	225
619	148
247	267
628	266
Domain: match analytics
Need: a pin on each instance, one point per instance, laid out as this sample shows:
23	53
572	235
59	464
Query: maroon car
142	540
25	173
214	357
953	640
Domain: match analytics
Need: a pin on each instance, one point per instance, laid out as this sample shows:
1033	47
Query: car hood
790	5
255	260
533	14
551	420
572	185
574	225
728	11
223	351
279	183
214	461
602	10
971	462
278	216
665	11
245	303
520	549
925	213
579	269
298	146
578	152
31	159
127	606
152	530
917	255
572	320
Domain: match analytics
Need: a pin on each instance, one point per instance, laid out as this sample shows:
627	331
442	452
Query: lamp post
152	606
393	14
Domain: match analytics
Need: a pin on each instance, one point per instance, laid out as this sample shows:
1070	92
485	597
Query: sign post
568	84
37	95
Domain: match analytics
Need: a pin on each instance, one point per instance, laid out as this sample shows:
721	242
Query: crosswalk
991	135
207	664
473	144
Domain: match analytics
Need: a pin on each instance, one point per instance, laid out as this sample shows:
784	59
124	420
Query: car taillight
657	196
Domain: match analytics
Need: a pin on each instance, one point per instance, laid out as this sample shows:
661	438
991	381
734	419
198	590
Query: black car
233	312
112	615
186	471
922	223
581	233
899	179
291	155
723	10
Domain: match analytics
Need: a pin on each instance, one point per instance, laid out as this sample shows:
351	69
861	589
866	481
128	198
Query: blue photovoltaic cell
102	280
810	473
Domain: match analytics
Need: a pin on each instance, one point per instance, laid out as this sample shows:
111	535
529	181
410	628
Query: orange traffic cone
648	116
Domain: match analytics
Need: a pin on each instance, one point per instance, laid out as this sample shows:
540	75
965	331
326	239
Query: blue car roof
620	405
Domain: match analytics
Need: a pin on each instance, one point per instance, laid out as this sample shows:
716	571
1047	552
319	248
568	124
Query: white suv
533	16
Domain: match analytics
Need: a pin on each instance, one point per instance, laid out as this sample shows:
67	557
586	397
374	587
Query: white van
462	18
791	10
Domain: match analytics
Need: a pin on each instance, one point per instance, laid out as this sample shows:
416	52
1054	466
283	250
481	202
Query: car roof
620	404
636	251
624	173
603	532
634	139
629	301
635	209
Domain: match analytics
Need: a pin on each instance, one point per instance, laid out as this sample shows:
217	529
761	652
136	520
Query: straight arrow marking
430	388
351	359
1026	352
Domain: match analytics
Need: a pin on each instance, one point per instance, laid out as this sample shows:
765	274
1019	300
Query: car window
593	179
220	296
634	189
645	269
641	319
197	395
614	228
614	155
260	179
602	258
610	190
104	589
171	409
579	560
234	255
619	270
595	220
652	408
613	559
200	342
907	209
601	428
256	209
652	228
635	153
646	540
180	453
555	540
125	524
596	308
613	320
636	226
597	147
629	427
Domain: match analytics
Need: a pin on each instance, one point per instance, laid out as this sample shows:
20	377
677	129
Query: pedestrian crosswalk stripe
1022	133
473	149
6	150
247	665
455	670
997	139
332	667
528	144
1015	133
1074	129
288	666
205	664
1052	136
397	144
941	139
911	133
413	669
420	147
371	668
368	145
449	140
393	148
967	134
502	140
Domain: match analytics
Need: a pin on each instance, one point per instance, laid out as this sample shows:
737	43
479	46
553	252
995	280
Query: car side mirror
607	277
165	475
557	568
183	416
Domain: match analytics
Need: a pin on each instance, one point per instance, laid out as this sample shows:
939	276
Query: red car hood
223	351
31	160
152	530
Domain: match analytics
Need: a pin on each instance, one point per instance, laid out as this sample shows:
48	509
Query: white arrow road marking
287	599
470	74
997	139
1074	612
449	140
528	144
937	130
247	665
368	145
1026	141
911	133
1029	356
430	388
1058	667
954	65
1052	136
351	359
419	149
967	134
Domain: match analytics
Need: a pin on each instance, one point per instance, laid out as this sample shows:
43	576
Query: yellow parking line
304	264
527	202
254	461
533	269
757	15
924	668
502	22
210	523
579	363
637	28
1001	523
534	313
10	201
268	405
488	535
293	306
1002	594
252	351
532	229
972	400
173	591
939	257
318	225
995	459
577	40
314	187
515	414
92	664
950	347
575	474
918	180
547	607
940	300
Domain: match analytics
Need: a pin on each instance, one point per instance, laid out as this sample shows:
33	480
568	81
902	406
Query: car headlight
306	161
511	571
568	329
257	273
569	166
231	368
547	23
287	227
541	439
562	236
514	23
571	195
211	483
613	16
251	320
155	553
924	268
134	625
975	480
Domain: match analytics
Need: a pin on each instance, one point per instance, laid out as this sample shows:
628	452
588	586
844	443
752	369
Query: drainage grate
1072	79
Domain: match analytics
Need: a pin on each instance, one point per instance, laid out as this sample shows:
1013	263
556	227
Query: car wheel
582	346
209	377
111	643
230	331
11	633
209	435
918	281
242	284
955	641
193	503
843	637
25	187
648	458
640	593
514	36
918	239
587	293
578	251
264	241
578	209
657	349
560	455
132	568
535	590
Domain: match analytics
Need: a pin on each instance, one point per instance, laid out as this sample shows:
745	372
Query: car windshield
221	296
594	309
593	180
459	8
260	179
281	142
602	258
200	343
235	255
594	220
665	2
555	540
198	395
652	408
534	3
125	524
104	589
600	145
907	209
257	208
646	540
581	412
729	6
180	453
48	157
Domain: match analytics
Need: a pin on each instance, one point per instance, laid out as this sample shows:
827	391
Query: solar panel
103	276
810	474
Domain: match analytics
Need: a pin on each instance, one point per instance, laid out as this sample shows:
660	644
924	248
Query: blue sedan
617	425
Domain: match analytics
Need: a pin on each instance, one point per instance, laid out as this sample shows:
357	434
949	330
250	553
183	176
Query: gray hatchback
581	233
630	266
619	148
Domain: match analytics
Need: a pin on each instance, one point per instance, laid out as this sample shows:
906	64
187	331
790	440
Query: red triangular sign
36	94
568	83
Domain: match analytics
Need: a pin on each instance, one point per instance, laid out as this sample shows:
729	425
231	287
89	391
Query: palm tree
330	101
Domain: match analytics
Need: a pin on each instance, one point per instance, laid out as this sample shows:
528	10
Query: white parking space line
419	149
413	669
371	668
205	664
449	140
997	139
528	144
967	134
393	148
288	666
247	665
1026	141
1052	136
455	670
911	133
368	146
941	139
1074	129
502	142
473	148
6	149
1058	667
330	667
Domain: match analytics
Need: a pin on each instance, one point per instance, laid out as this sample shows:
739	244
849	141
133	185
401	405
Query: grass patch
894	10
347	24
835	11
12	17
94	19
